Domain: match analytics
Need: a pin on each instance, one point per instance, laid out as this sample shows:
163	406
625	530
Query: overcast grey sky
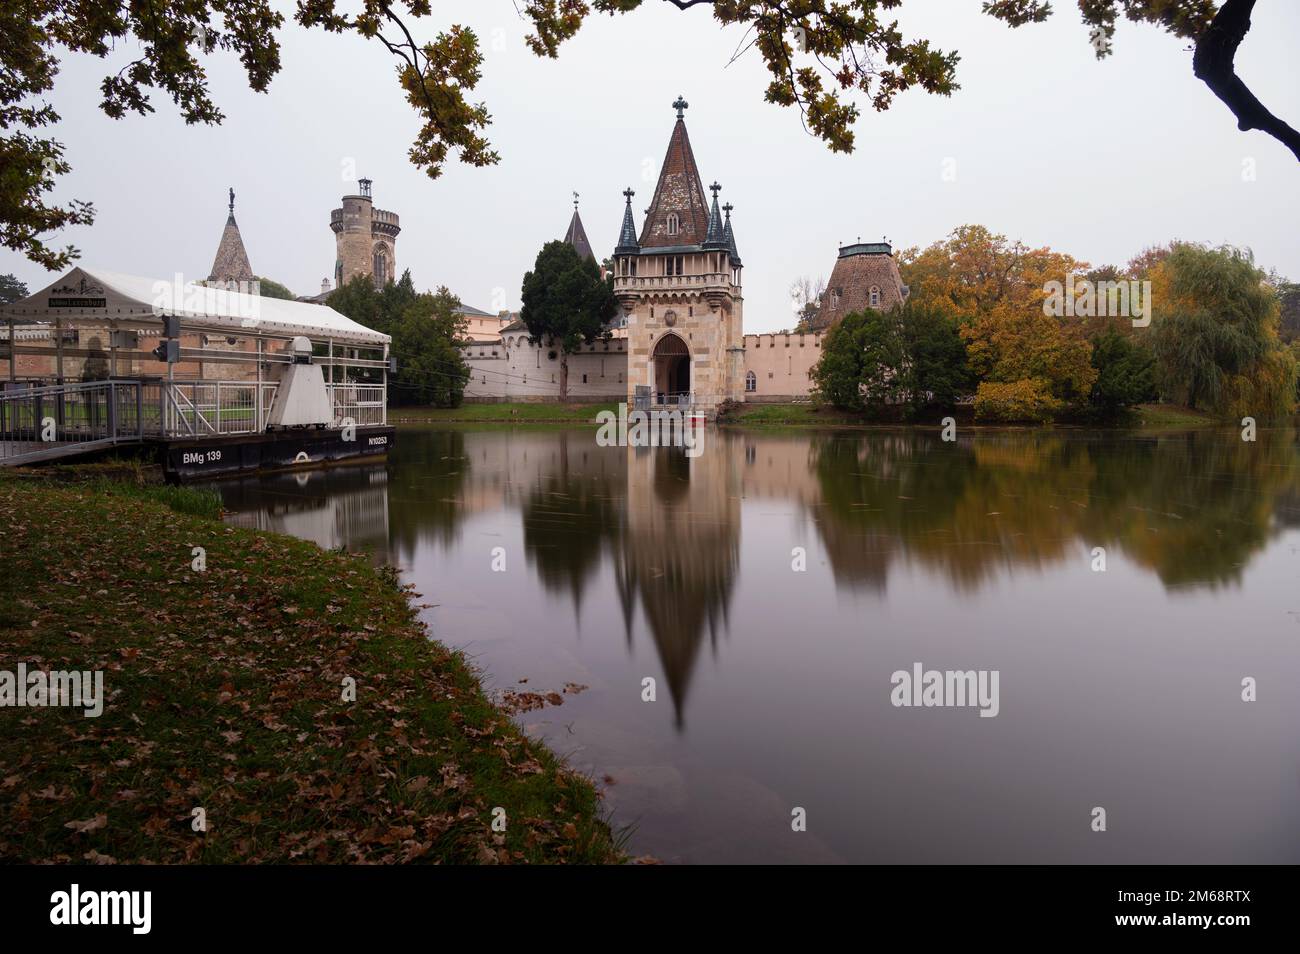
1098	159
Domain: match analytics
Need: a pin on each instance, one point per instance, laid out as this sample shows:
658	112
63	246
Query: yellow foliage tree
1031	365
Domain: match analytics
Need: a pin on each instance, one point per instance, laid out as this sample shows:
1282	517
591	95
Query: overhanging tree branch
1213	64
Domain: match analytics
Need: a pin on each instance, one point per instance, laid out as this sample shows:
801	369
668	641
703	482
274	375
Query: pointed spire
627	244
677	213
729	237
231	261
577	235
715	238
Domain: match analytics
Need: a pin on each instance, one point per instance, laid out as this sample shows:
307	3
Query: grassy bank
1169	415
225	692
781	415
1144	416
524	413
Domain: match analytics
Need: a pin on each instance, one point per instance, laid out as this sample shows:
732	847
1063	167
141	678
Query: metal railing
42	422
363	403
206	408
45	422
682	399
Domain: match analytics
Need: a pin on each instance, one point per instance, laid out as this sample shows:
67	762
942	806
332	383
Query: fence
364	403
204	408
41	422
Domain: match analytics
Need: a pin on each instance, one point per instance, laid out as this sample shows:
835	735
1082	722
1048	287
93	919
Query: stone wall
520	371
780	365
517	370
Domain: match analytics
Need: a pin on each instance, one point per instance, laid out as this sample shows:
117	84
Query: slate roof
679	191
577	237
231	261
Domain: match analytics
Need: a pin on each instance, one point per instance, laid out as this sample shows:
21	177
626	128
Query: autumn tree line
983	324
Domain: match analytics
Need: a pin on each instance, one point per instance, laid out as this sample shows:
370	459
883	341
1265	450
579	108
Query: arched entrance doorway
672	370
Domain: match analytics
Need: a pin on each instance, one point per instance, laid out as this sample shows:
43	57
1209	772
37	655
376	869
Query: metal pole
260	424
112	411
171	377
58	351
58	347
13	353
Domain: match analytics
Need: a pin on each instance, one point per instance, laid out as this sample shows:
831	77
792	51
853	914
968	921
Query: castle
680	340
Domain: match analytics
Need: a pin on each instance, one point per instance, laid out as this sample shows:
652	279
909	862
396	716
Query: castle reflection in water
1189	508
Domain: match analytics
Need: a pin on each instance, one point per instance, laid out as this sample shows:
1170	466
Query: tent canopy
86	295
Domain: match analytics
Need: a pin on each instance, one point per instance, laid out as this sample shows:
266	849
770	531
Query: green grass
522	413
1147	415
1171	415
225	693
179	498
782	414
132	479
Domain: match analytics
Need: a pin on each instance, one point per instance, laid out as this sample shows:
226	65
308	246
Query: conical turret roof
715	238
729	237
679	193
627	244
577	236
231	261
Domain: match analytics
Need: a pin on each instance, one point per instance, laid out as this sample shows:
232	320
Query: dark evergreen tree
566	303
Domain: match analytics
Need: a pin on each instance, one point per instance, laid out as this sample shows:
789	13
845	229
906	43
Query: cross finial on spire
628	193
679	105
727	208
232	201
575	201
715	188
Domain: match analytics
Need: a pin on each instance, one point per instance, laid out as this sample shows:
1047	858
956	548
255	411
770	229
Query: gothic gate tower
365	239
679	286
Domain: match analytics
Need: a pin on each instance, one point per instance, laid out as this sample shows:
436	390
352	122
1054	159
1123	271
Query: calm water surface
1120	689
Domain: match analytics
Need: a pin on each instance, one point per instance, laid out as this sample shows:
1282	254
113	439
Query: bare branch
1213	64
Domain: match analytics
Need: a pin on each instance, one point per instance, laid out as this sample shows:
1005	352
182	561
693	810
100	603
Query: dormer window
674	224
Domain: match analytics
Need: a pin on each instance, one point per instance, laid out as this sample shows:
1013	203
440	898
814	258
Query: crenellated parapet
365	239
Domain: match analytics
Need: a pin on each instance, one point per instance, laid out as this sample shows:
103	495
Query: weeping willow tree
1215	334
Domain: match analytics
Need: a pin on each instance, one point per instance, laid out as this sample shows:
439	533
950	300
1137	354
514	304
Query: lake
772	586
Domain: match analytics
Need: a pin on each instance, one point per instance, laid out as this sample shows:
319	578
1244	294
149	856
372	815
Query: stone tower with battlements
365	239
679	285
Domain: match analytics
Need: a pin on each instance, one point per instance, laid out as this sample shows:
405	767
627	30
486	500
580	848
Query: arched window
673	224
751	381
875	296
381	266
